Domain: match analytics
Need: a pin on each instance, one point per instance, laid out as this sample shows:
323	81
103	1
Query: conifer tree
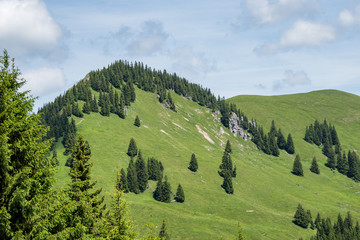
297	167
132	179
193	165
141	171
314	166
342	164
76	111
240	235
301	218
227	183
274	149
123	185
22	156
154	171
86	108
331	162
180	196
228	147
132	149
163	235
137	121
94	105
290	148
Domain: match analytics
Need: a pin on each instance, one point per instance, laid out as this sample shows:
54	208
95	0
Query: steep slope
266	193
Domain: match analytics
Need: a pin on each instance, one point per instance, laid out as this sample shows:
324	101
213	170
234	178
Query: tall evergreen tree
297	167
163	235
301	218
290	148
342	164
228	147
180	196
274	149
132	179
314	166
227	183
193	165
132	149
137	121
154	171
25	174
141	170
94	105
123	185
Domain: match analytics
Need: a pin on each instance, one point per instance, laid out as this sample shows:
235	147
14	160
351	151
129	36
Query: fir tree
163	235
227	183
228	147
331	162
193	165
22	157
86	108
180	196
132	149
94	105
274	149
76	111
132	179
137	121
301	218
342	164
314	166
290	148
141	170
123	185
154	171
297	167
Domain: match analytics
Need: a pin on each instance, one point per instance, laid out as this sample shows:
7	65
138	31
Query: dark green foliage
290	148
162	191
228	147
354	166
170	102
226	164
137	121
240	235
227	183
163	235
76	111
193	165
154	171
274	149
314	166
123	185
331	162
142	173
180	196
132	179
132	149
94	105
69	144
297	167
22	157
234	172
301	218
105	105
342	163
86	108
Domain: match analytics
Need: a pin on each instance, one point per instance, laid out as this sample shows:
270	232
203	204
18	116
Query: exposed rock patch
206	136
235	127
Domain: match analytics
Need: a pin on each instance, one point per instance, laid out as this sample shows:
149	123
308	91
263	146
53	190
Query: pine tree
141	171
123	185
281	142
228	147
301	218
163	235
297	167
193	165
227	183
290	148
22	157
76	111
132	149
314	166
137	121
180	196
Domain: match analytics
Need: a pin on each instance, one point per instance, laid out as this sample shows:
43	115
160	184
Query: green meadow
266	194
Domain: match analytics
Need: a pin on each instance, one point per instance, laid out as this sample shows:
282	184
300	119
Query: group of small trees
325	229
227	171
298	169
273	141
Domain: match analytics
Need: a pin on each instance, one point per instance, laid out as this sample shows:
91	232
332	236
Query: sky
261	47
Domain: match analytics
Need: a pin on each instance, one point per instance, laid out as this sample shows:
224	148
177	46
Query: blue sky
263	47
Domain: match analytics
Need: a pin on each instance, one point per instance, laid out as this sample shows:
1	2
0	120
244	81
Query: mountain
266	194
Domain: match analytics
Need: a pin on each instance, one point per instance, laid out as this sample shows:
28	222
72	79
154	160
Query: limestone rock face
235	127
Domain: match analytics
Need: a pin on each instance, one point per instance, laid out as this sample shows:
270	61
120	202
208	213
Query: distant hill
266	194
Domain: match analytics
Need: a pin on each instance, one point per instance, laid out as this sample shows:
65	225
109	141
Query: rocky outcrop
235	127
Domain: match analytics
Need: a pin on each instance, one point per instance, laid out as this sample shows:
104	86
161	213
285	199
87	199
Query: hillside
266	193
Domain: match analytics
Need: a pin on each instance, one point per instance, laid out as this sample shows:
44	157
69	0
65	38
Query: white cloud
301	34
292	79
27	27
43	81
265	11
346	17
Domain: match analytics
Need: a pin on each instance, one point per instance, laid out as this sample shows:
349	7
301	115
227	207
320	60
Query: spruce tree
227	183
123	185
290	148
137	121
141	170
86	108
314	166
274	149
132	179
228	147
163	235
342	164
132	149
301	218
331	162
94	105
297	167
25	174
193	165
180	196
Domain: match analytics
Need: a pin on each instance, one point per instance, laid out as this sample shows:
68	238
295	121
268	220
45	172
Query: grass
266	193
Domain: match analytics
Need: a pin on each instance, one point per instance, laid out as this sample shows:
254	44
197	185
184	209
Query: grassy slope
264	184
